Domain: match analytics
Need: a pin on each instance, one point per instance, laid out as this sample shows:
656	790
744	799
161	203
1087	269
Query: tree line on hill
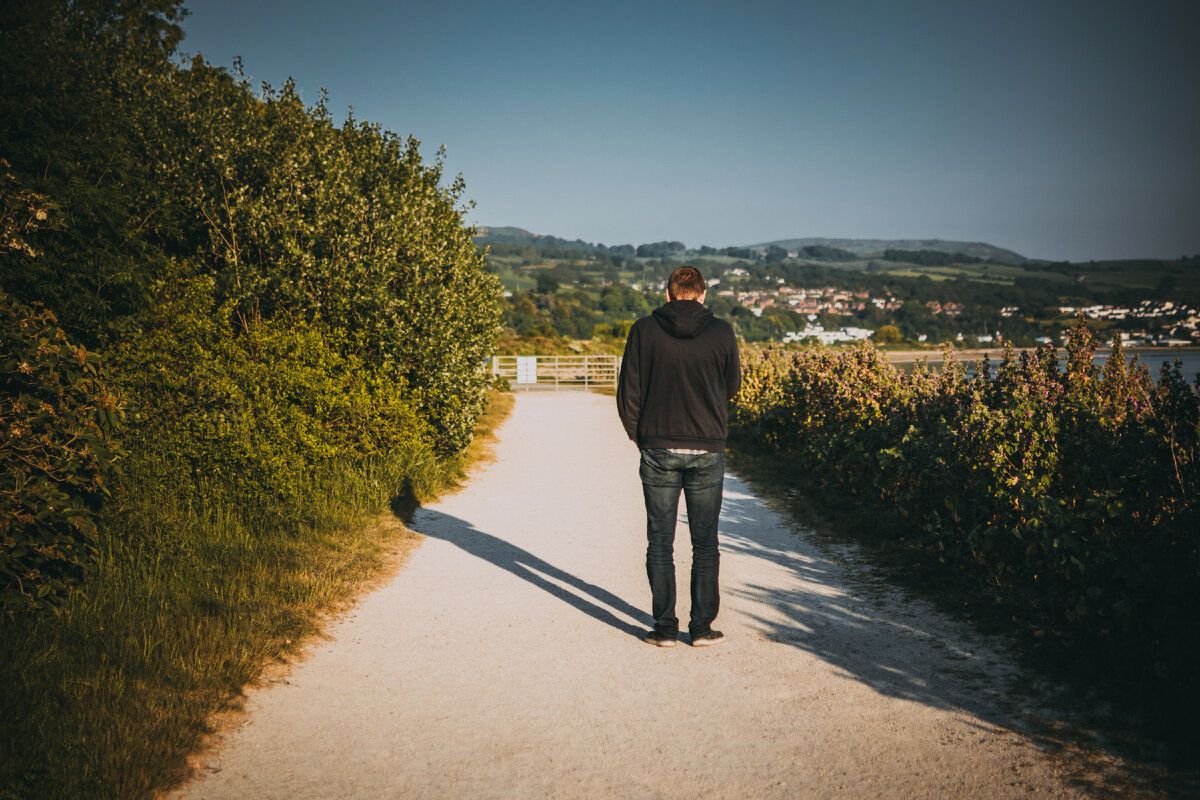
929	258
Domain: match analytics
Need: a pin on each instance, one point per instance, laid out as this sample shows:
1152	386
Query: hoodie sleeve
629	386
733	369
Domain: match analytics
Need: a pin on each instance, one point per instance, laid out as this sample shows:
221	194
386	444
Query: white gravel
505	660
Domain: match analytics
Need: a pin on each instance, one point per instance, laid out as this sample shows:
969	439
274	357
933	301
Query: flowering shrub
1069	491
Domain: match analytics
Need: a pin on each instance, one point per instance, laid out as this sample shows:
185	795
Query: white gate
557	372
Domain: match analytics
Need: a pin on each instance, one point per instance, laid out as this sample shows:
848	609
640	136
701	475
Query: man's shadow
598	603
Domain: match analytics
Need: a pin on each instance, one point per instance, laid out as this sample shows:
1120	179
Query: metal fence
557	372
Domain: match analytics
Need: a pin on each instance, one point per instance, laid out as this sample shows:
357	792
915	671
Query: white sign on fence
526	369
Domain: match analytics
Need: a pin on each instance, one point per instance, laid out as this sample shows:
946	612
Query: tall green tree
345	227
80	85
168	172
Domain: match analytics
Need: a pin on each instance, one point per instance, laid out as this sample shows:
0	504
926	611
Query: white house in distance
823	336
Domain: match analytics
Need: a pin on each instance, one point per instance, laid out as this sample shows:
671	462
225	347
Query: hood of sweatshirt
683	319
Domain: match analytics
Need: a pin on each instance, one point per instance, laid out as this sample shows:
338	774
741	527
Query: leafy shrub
1068	491
343	227
347	229
56	415
251	418
271	289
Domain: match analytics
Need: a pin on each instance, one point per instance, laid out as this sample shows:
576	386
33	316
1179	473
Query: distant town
1162	323
901	293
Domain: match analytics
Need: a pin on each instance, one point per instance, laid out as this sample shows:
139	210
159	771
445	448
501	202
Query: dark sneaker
708	639
659	640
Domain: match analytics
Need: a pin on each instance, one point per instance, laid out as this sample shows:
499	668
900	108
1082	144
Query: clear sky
1056	128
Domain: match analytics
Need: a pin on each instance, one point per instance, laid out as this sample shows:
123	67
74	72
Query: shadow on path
888	646
873	633
598	603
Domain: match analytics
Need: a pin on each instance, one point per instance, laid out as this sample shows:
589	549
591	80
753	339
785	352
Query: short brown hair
686	283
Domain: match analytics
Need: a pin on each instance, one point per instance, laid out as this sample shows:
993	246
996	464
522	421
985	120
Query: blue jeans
700	477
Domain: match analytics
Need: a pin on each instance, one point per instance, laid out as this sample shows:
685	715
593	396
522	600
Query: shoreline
995	353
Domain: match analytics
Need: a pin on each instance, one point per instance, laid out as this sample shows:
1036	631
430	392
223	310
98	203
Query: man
680	371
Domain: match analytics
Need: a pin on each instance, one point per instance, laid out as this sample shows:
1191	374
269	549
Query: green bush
56	415
345	228
1069	493
250	419
342	227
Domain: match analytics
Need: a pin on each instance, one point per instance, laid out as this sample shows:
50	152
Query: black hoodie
679	373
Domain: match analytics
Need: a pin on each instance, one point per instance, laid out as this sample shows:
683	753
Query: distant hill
486	234
865	248
875	247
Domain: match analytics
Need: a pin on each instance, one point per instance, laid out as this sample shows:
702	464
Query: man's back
680	370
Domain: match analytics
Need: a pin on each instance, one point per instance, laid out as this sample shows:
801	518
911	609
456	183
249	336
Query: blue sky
1059	129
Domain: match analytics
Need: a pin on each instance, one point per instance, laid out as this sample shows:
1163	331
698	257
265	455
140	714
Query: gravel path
505	661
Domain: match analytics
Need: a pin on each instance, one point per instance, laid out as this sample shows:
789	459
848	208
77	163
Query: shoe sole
660	642
707	642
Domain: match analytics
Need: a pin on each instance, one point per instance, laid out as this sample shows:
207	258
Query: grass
187	606
996	274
